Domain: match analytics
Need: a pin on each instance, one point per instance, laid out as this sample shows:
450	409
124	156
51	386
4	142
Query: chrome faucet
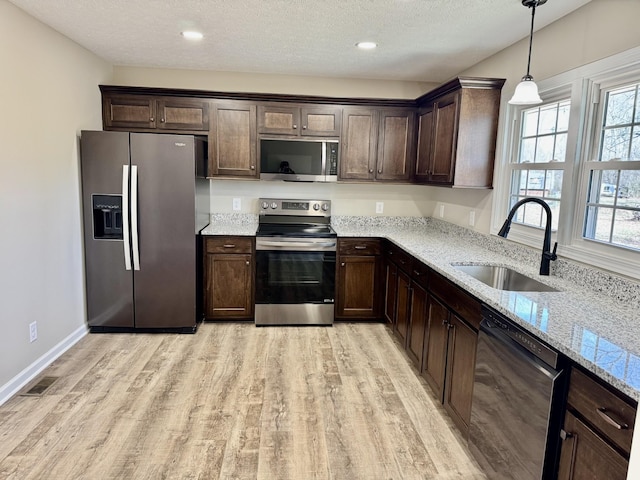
547	254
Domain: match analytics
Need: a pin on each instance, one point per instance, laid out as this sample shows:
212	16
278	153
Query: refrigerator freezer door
109	286
165	284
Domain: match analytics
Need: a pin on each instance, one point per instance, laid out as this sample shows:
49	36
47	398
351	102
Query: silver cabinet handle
371	170
134	217
342	264
229	245
604	414
360	247
380	171
304	127
125	217
151	119
162	120
253	167
564	435
295	127
247	262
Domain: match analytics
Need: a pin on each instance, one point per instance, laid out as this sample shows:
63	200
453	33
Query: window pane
527	150
560	153
615	144
620	106
563	116
599	223
626	229
544	151
635	144
530	123
553	183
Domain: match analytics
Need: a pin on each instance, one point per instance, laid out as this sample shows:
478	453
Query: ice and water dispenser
107	217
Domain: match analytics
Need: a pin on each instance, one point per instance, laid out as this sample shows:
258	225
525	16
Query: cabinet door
321	121
417	322
390	293
183	114
228	286
461	361
403	306
129	111
279	119
357	287
435	348
584	455
444	139
425	146
358	147
395	145
232	141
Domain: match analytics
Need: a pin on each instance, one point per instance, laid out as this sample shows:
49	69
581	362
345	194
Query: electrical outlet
33	331
441	211
379	207
472	218
237	204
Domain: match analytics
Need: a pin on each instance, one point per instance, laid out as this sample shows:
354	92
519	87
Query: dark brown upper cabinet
232	140
457	132
150	113
299	120
377	144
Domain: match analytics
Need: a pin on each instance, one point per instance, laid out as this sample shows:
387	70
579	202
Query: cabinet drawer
398	256
229	245
458	300
420	273
601	407
359	246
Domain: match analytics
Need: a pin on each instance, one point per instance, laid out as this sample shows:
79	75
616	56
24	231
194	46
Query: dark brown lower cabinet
403	306
390	293
228	283
417	322
358	279
587	456
461	361
435	346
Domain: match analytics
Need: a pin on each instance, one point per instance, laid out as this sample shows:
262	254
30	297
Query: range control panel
278	206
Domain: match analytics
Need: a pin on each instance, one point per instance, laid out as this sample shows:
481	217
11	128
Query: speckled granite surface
594	319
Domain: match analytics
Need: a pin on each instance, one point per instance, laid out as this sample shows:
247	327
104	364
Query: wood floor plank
234	401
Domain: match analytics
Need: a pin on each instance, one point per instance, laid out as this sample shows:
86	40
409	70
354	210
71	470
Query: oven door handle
298	244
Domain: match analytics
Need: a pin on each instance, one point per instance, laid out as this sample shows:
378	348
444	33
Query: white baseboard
14	385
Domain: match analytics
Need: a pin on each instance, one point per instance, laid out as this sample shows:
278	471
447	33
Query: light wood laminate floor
234	402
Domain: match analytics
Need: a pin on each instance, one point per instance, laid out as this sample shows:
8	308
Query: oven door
295	285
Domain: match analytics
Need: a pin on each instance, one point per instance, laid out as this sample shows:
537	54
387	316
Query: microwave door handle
125	217
323	171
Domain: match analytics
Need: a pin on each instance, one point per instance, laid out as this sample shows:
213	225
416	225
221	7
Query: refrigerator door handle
125	217
134	217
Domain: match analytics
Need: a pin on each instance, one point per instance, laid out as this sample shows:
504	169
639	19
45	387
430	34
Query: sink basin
504	278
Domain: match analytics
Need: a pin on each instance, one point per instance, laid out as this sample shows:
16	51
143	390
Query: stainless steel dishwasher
518	393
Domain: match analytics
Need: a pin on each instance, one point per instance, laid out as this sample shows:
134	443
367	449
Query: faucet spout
547	254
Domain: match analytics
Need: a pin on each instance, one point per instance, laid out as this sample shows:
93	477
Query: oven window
295	277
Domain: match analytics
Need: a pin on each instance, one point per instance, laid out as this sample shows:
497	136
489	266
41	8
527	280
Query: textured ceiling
419	40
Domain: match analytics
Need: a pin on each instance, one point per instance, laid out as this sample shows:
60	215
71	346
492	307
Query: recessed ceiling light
366	45
191	35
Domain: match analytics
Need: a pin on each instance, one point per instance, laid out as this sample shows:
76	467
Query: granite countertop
599	330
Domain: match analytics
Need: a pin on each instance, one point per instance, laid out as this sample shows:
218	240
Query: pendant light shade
526	92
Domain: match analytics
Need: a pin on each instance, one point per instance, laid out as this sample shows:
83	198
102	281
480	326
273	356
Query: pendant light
527	91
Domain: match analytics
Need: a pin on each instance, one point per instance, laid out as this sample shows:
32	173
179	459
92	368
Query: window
539	166
613	203
580	152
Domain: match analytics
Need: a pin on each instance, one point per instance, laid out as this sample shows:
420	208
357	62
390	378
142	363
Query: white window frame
584	85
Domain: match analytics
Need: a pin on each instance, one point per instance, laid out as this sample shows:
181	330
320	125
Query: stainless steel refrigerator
143	207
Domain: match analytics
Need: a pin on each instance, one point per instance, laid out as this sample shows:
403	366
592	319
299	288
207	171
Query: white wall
266	83
49	93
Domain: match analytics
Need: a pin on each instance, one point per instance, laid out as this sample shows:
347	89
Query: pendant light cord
533	15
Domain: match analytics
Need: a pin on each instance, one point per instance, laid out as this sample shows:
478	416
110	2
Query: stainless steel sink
504	278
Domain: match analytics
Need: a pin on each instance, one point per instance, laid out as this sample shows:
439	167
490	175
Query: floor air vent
39	388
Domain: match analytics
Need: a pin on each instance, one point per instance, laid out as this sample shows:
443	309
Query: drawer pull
229	245
416	273
605	415
564	435
360	247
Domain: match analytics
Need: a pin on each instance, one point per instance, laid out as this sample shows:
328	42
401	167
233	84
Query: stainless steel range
295	263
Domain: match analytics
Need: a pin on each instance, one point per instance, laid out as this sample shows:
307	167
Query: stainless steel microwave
299	160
